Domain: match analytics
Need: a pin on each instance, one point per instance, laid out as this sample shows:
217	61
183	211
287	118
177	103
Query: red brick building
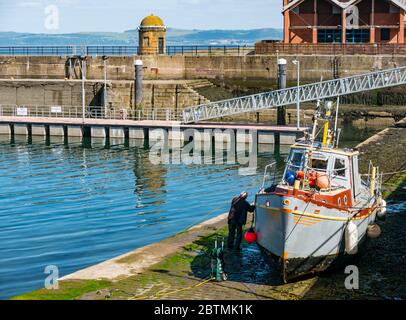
337	21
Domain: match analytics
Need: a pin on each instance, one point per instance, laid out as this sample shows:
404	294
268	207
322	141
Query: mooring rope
386	173
187	288
172	292
392	173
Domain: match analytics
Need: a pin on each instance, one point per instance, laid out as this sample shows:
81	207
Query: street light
297	64
83	69
105	95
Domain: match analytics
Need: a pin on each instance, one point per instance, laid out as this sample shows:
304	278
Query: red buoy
300	175
250	236
312	176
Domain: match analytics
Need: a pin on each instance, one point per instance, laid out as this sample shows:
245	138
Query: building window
393	9
336	10
146	42
385	34
328	36
357	36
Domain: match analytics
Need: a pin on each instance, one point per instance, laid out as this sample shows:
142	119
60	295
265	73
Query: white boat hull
303	237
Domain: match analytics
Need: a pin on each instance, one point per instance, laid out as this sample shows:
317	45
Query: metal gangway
305	93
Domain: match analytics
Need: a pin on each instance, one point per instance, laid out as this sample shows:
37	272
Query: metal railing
261	48
91	112
194	50
367	178
305	93
273	47
268	176
215	50
40	51
112	50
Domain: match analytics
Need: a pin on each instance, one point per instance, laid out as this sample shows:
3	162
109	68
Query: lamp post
282	68
83	67
105	95
297	64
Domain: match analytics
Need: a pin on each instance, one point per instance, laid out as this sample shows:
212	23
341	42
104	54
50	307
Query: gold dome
152	21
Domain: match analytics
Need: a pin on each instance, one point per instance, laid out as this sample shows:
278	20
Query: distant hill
229	36
130	37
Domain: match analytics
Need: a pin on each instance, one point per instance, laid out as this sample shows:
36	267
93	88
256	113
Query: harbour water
78	203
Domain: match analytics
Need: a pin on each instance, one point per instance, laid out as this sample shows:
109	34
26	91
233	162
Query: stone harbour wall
163	67
173	95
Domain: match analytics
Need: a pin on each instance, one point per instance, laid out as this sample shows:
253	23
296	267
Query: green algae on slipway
67	290
189	266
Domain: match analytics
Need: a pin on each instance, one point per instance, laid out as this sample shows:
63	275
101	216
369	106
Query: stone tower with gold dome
152	36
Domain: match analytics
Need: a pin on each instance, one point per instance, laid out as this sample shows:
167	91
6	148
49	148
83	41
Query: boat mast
336	121
315	120
336	130
326	136
329	136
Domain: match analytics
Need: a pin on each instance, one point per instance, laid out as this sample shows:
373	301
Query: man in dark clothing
237	217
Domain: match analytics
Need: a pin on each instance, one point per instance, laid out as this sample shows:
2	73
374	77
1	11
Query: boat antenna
327	134
336	120
315	118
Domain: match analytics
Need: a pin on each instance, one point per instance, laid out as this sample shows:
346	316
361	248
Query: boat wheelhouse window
319	164
339	167
296	161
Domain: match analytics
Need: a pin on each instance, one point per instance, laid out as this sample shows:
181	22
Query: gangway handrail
273	164
308	92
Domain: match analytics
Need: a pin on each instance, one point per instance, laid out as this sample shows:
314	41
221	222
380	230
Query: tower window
161	46
146	42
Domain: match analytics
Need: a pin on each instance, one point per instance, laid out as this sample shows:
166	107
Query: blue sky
121	15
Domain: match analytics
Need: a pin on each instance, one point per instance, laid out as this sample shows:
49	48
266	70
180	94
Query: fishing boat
321	208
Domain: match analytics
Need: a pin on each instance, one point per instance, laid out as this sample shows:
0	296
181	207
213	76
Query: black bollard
281	113
138	84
